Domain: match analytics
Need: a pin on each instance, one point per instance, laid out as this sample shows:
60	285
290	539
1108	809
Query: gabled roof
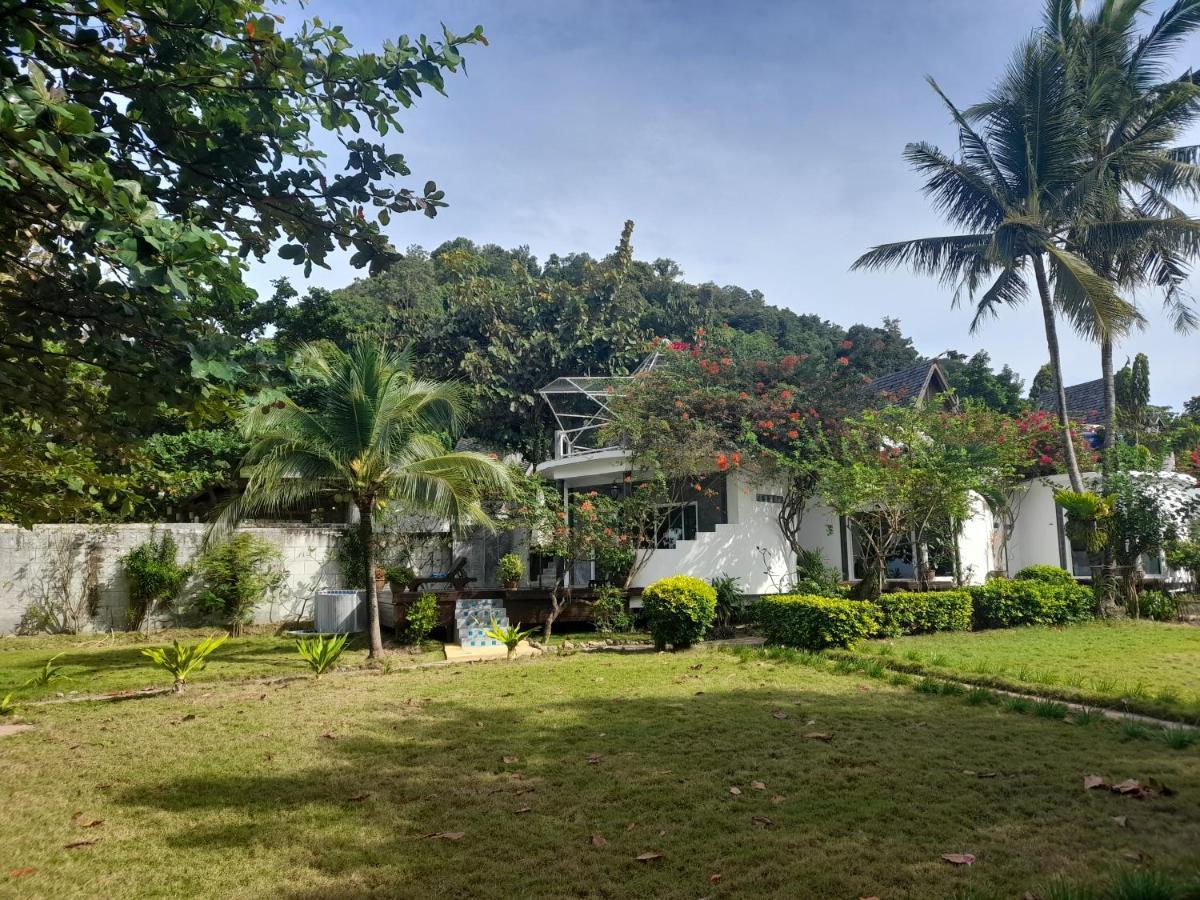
1085	402
916	384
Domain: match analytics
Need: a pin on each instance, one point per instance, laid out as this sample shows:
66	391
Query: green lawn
99	664
1148	666
548	778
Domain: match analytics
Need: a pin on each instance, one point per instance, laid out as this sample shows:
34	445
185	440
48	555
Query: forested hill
508	323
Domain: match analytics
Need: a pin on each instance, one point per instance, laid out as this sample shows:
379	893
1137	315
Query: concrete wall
71	561
750	546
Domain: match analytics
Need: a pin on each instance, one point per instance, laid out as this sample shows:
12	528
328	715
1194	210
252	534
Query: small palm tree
369	430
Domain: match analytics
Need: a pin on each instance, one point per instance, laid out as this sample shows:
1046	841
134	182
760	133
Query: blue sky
754	143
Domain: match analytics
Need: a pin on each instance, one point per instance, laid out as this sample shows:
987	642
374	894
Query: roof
1085	402
916	383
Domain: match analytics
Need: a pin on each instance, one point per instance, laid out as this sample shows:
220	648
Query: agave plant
48	674
321	653
181	660
508	635
7	705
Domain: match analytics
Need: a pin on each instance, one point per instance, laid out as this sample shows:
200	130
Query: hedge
814	623
1046	575
910	612
1004	603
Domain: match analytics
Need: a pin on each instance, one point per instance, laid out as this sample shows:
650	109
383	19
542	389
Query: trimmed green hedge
911	612
1004	603
1046	575
814	623
679	610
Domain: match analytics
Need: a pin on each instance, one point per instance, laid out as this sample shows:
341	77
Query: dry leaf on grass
524	809
1131	788
594	759
79	820
448	835
631	826
1094	782
648	856
510	760
1122	821
762	822
959	859
358	798
779	714
329	735
758	785
737	792
23	872
778	798
75	845
1136	856
714	878
598	840
819	736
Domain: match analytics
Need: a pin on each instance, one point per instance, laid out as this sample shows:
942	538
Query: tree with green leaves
1022	185
1134	113
1132	390
371	432
150	148
975	379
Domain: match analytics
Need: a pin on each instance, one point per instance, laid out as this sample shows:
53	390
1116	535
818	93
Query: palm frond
1088	301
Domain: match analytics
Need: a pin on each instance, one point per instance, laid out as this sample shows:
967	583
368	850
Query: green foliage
351	555
421	618
149	146
1184	553
1087	517
974	379
510	568
609	611
730	601
399	577
8	706
1046	574
815	578
48	674
1004	603
237	573
922	612
1158	605
1139	523
320	652
679	610
183	660
508	635
155	579
815	623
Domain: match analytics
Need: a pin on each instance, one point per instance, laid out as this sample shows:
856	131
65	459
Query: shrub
48	674
679	610
398	577
510	568
321	653
420	618
814	623
910	612
729	600
238	574
181	660
1004	603
155	579
1045	574
608	610
508	635
814	578
1158	605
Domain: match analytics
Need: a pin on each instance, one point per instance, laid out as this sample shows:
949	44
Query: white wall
32	560
976	543
733	549
1034	538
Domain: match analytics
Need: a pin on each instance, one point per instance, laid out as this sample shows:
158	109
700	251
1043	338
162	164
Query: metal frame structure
580	407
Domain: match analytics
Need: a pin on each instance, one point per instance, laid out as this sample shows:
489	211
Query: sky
755	143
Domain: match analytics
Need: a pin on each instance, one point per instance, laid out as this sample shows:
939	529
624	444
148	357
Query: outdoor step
464	625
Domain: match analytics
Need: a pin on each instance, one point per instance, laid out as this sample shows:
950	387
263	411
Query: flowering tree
729	401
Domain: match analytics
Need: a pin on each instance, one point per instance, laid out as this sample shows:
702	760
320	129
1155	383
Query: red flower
843	361
793	434
846	345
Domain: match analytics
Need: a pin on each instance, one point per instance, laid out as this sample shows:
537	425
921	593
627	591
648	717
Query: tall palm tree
1020	185
1133	117
369	430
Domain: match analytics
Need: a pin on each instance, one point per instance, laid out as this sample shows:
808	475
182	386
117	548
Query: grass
99	664
1144	666
491	781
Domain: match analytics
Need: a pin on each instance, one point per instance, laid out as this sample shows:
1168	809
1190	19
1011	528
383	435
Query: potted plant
400	578
511	569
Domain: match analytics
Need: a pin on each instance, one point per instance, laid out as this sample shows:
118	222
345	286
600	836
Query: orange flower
843	361
793	434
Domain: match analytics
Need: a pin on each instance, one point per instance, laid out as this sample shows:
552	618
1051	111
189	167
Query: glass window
678	523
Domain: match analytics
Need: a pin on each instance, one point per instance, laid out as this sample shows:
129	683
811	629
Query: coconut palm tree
368	430
1021	184
1134	113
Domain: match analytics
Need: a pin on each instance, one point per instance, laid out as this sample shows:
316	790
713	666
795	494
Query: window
769	498
677	523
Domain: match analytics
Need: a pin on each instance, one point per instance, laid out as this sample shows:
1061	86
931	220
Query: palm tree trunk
366	510
1109	458
1064	423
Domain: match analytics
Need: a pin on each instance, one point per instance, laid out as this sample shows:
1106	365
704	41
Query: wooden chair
456	577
